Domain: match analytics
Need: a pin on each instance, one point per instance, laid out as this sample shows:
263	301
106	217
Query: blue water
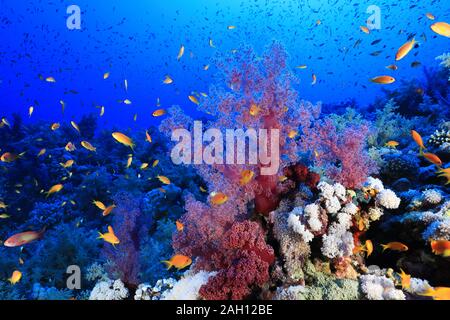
139	41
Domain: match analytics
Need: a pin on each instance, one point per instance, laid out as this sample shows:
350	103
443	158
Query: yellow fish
109	237
193	99
50	79
155	163
70	147
15	277
55	126
437	293
391	144
406	279
67	164
159	113
55	189
148	138
127	102
254	109
441	28
292	134
129	161
106	75
180	52
108	210
88	146
41	152
167	80
430	16
30	111
364	29
180	226
123	139
99	204
75	126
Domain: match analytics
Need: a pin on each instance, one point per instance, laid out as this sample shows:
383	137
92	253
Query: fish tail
101	236
168	264
421	152
384	246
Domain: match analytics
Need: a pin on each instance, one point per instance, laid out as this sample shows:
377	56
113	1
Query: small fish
441	28
231	27
396	246
405	49
99	205
30	111
391	144
5	122
21	239
159	113
440	247
211	43
109	237
129	161
364	29
193	100
164	180
75	126
430	16
63	105
155	163
50	79
127	102
383	80
3	205
102	111
206	67
67	164
314	79
144	166
8	157
246	177
302	66
406	279
202	189
180	226
292	134
178	261
180	52
41	152
437	293
55	189
123	139
88	146
15	277
148	138
106	75
415	64
108	210
418	139
392	67
55	126
70	147
368	247
218	198
434	159
254	109
167	80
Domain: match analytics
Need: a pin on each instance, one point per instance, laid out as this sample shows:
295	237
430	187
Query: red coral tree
221	237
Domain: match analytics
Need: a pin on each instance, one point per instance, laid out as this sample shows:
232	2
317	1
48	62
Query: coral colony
264	196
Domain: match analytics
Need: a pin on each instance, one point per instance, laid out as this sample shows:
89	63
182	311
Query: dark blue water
139	41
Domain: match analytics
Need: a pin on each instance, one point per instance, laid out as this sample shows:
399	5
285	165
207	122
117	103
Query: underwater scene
225	150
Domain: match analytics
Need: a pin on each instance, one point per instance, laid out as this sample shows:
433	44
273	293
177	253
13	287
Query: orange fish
55	189
391	144
438	293
254	109
88	146
178	261
70	147
418	139
430	16
364	29
434	159
406	279
108	210
180	226
55	126
109	237
441	247
405	49
218	198
8	157
123	139
392	67
396	246
15	277
164	179
21	239
159	113
383	80
148	138
445	173
193	99
246	177
314	79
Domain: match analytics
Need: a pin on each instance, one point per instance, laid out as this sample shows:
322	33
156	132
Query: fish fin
101	236
168	264
446	253
384	246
